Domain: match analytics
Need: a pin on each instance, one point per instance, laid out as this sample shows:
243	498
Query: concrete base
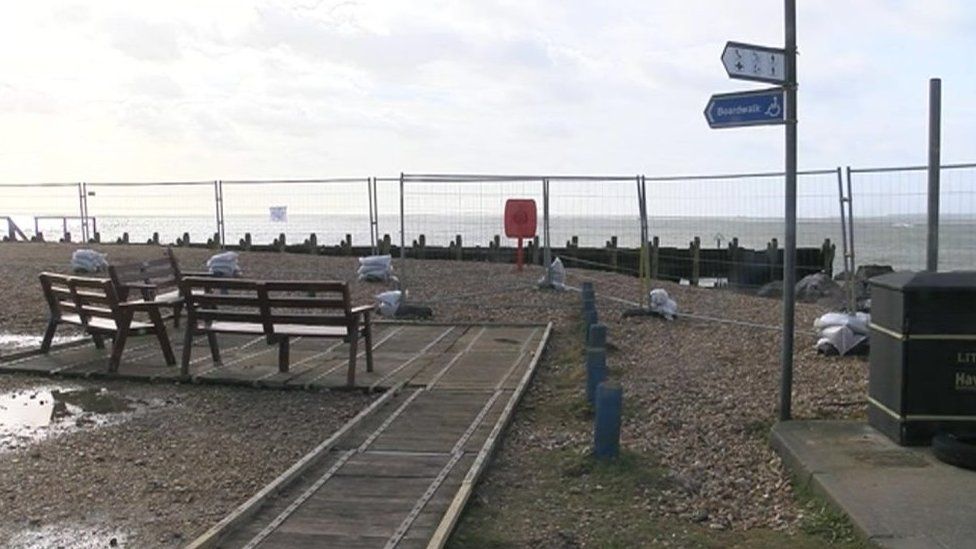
895	496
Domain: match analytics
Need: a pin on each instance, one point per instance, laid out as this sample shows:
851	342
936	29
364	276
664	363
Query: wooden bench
94	305
156	280
278	310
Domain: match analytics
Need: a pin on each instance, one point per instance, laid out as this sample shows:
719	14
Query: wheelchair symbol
774	109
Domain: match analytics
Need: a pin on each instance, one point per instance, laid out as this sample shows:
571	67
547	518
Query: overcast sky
134	90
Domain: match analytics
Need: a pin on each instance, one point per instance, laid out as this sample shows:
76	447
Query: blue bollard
597	336
589	318
587	287
606	427
596	371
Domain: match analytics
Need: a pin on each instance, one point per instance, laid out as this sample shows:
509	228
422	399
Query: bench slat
230	316
309	320
306	303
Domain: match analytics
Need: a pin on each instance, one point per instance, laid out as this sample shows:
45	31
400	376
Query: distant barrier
724	227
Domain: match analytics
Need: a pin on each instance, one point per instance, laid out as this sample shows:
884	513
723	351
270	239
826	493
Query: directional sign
755	108
751	62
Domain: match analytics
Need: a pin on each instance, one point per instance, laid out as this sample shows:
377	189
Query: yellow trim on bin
921	337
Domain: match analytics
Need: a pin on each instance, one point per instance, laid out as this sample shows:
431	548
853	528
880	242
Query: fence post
547	252
695	261
655	257
935	161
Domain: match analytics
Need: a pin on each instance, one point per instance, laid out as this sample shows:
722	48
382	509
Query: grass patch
540	492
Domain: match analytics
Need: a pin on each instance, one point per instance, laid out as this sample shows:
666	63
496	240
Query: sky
189	90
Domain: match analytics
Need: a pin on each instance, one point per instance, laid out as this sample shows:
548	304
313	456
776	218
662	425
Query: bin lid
913	281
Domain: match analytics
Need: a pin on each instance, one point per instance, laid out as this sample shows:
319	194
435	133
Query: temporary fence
890	222
693	229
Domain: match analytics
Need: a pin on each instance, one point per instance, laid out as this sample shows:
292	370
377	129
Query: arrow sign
755	108
751	62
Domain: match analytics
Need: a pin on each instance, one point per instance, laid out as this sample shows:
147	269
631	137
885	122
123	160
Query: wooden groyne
739	266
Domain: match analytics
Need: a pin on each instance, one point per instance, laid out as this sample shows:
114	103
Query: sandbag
839	340
557	275
224	264
858	322
375	268
662	304
389	302
88	261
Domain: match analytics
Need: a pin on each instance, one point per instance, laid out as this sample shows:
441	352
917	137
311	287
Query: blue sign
755	108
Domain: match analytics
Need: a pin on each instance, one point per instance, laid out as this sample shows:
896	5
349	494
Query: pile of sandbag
662	304
375	268
88	261
842	333
556	276
224	264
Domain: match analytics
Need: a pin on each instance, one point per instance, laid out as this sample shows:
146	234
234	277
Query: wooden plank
449	521
211	537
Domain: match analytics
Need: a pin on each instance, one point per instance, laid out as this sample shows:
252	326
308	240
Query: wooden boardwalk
399	474
396	475
402	351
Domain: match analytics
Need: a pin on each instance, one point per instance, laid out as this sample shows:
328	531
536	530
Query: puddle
21	342
29	415
66	536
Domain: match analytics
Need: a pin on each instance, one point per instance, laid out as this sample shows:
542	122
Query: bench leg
353	350
163	337
214	349
118	343
99	341
177	310
52	326
187	349
368	333
283	354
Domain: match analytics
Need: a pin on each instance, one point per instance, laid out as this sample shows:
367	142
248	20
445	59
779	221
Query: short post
606	427
695	261
613	253
590	317
655	257
596	359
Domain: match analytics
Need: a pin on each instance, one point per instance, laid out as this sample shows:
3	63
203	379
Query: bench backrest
163	272
309	303
83	296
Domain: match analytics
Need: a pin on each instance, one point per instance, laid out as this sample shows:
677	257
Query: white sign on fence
279	213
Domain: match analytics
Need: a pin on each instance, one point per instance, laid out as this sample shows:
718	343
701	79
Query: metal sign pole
403	248
546	251
935	146
789	260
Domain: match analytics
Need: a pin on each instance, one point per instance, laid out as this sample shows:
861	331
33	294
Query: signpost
755	108
760	108
751	62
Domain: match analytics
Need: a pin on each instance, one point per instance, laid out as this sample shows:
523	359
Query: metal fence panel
330	208
890	224
141	209
51	208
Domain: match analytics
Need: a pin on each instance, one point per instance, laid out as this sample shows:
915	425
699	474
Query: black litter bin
923	355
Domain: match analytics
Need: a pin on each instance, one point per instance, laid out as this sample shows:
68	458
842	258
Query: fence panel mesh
141	209
50	208
330	208
890	219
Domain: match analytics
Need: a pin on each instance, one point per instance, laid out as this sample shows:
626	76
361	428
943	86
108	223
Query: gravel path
699	394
